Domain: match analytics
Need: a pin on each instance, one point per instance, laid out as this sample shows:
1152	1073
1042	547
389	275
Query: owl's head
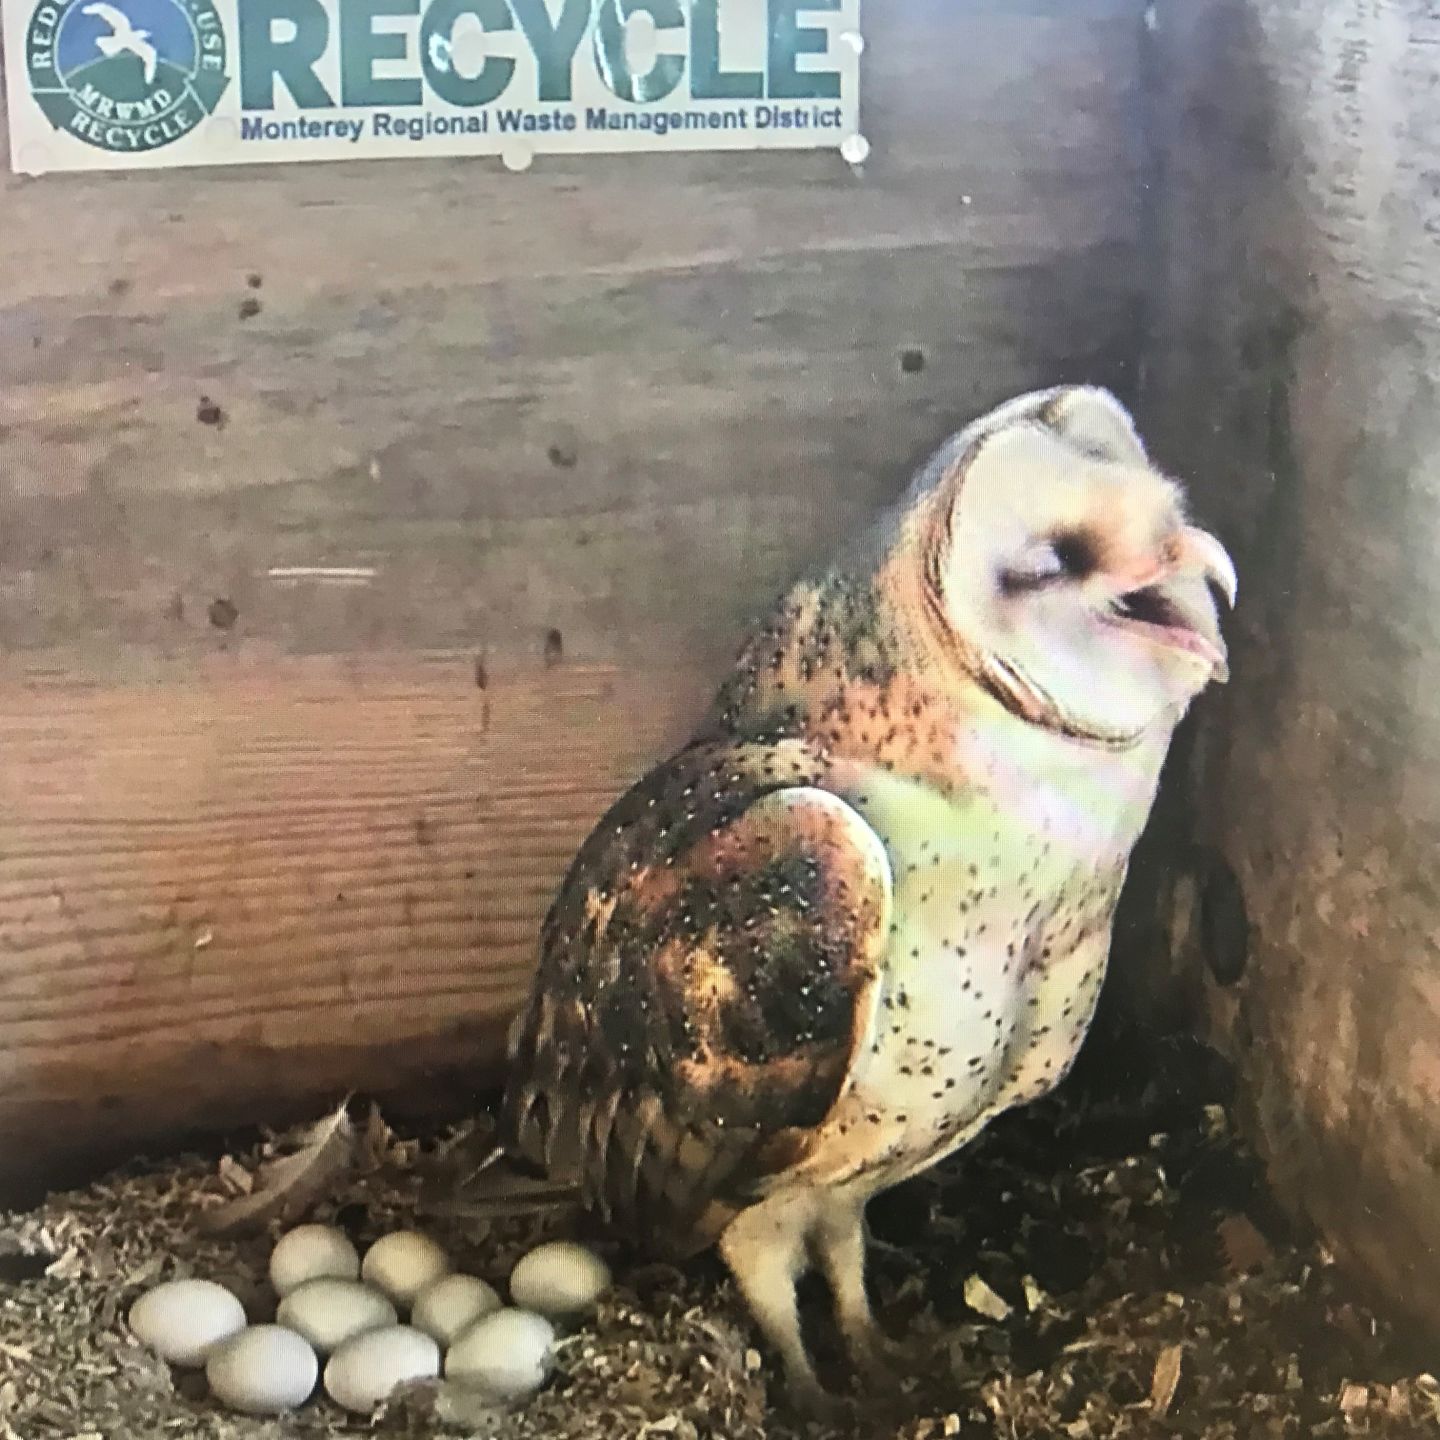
1062	567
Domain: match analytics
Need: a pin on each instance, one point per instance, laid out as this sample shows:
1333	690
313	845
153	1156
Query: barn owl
868	906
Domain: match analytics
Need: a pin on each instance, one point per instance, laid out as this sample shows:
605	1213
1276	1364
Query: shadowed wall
1292	346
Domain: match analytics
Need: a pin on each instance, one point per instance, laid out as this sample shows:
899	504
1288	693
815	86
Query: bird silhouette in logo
124	38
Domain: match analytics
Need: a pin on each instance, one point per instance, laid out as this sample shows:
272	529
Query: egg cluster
346	1313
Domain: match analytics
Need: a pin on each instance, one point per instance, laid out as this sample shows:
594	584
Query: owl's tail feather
496	1186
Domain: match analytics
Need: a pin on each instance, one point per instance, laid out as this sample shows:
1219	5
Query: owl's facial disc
1071	567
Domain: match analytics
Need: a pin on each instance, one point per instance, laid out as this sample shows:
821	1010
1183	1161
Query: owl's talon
889	1248
815	1402
882	1363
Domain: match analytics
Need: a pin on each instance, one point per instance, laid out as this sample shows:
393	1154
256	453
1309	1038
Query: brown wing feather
706	974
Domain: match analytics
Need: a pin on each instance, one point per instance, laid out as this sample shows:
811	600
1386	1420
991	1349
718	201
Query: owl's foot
764	1248
840	1242
882	1363
812	1400
889	1248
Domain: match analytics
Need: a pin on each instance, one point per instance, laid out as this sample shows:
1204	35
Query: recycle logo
126	76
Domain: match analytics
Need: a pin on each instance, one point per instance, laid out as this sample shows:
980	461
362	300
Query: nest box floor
1102	1264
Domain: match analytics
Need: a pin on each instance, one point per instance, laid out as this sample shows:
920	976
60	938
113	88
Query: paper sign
144	84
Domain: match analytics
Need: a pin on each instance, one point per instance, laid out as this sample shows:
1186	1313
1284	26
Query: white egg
263	1371
447	1305
507	1354
310	1252
366	1368
183	1320
328	1312
559	1278
402	1264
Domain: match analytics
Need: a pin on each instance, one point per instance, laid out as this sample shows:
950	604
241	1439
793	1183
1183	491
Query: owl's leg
765	1249
840	1242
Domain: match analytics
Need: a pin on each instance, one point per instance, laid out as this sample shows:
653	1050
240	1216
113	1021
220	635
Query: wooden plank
441	478
1295	345
596	414
273	878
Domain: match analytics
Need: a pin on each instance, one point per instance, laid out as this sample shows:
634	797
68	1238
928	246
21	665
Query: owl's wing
708	973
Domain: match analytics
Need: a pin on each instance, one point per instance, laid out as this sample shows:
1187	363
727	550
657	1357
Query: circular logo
126	75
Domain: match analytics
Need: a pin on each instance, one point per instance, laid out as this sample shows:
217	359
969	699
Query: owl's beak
1167	605
1198	551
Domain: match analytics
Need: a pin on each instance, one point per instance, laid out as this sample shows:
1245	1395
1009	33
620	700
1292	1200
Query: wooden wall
1291	359
263	839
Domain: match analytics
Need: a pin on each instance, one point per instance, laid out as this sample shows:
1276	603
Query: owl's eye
1067	556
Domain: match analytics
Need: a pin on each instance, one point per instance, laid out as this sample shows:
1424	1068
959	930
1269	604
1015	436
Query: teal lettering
610	59
789	39
554	42
264	59
526	122
361	45
435	29
707	80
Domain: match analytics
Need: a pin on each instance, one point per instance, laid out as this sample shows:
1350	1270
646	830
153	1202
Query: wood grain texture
597	415
562	399
229	893
1295	346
